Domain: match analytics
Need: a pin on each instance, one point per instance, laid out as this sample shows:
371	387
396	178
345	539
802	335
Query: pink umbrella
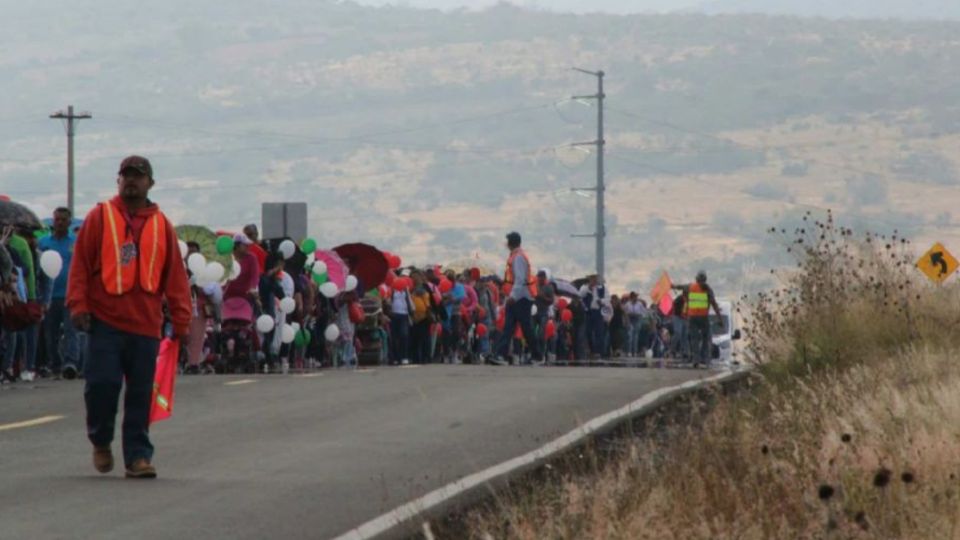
337	270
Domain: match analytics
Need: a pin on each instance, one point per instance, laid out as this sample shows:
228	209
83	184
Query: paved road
290	456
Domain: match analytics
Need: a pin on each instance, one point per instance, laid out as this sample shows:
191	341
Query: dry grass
853	431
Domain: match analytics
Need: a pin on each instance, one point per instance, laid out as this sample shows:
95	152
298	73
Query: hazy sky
580	6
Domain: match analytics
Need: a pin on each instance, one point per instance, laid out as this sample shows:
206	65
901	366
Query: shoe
405	362
497	361
28	376
103	459
69	372
7	376
141	468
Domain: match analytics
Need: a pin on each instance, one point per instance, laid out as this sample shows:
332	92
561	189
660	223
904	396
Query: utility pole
69	122
601	230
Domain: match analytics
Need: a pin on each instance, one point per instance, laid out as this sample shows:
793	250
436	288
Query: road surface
275	456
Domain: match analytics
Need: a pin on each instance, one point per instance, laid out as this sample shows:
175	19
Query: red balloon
384	290
482	330
395	261
566	315
519	333
481	313
389	278
562	303
501	321
356	313
551	330
445	285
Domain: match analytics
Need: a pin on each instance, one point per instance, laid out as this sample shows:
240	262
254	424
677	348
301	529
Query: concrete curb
383	525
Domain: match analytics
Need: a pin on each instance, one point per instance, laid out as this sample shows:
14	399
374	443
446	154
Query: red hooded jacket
136	312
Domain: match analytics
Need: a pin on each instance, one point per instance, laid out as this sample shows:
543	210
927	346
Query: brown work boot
103	459
141	468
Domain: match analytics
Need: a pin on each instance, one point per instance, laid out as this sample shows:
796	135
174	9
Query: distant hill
839	9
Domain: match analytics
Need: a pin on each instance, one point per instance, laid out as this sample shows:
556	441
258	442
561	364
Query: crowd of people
420	315
434	314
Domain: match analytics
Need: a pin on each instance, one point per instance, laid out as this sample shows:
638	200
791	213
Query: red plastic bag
161	403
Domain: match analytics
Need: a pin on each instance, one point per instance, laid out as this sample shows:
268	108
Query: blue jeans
57	323
116	356
519	313
597	332
400	336
25	341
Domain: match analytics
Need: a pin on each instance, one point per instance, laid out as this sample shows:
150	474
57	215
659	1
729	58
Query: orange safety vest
123	260
509	279
698	301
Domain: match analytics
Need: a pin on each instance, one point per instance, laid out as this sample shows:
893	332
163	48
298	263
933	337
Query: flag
666	305
161	403
662	288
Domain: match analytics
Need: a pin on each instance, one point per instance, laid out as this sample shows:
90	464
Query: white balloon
329	289
533	311
288	334
213	272
234	269
319	268
183	248
296	326
196	263
332	333
288	305
351	283
51	263
265	324
406	272
310	259
287	248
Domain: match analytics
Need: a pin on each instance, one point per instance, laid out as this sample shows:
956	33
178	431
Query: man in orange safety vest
520	290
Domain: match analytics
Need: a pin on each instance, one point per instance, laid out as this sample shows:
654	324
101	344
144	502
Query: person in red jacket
126	262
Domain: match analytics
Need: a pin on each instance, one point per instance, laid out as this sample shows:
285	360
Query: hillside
433	133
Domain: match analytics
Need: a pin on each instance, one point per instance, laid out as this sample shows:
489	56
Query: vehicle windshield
719	325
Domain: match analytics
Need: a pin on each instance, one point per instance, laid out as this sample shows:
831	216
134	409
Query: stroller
237	346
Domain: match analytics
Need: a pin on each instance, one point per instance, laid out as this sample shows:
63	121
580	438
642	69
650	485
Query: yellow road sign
938	264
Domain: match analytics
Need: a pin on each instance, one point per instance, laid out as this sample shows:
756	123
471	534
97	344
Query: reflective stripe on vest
509	279
698	301
125	262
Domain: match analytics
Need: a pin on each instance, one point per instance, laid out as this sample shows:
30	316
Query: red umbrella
366	262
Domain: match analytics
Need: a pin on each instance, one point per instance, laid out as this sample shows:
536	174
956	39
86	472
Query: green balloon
224	245
302	338
320	279
309	245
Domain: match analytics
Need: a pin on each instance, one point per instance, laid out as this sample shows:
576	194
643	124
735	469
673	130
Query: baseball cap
137	163
242	239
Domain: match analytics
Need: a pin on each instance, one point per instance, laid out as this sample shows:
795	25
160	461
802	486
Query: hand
81	321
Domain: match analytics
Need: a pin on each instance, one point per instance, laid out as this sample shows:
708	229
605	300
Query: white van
725	332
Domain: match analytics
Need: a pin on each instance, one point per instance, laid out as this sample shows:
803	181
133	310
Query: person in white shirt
401	308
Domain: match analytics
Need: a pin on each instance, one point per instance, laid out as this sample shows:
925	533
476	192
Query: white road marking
364	371
310	375
412	509
411	366
30	423
238	383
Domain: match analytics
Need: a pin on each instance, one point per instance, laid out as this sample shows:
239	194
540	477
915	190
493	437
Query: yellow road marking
30	423
238	383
